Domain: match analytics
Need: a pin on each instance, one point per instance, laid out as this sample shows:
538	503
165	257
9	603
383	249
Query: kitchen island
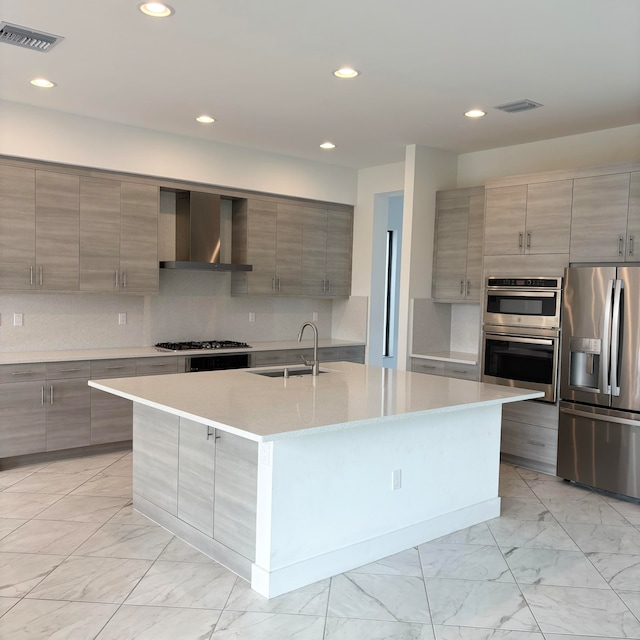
290	480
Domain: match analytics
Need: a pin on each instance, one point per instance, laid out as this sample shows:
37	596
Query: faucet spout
314	364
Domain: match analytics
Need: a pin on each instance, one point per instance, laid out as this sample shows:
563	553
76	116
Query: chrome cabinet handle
520	240
278	284
324	286
528	240
40	275
211	432
69	370
468	287
461	287
273	284
42	396
23	373
620	245
329	285
120	367
630	245
115	280
124	279
51	394
31	275
536	444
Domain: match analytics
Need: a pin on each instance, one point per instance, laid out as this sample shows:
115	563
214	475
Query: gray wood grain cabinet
57	231
17	228
327	239
44	407
528	219
118	236
457	271
604	228
111	416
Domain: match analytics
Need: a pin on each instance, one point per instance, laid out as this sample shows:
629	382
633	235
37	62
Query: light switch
122	318
252	316
314	316
17	320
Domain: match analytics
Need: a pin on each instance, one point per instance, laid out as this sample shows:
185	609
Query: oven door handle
511	338
523	294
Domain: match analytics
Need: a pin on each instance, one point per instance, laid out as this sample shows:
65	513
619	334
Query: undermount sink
280	373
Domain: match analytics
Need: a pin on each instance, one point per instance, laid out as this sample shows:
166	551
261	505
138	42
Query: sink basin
279	373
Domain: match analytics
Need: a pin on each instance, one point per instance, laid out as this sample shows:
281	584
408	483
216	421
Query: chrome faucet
314	364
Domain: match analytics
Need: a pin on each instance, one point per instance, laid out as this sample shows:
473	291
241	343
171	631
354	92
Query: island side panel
330	506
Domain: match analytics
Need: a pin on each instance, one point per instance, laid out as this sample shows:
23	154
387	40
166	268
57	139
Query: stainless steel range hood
197	234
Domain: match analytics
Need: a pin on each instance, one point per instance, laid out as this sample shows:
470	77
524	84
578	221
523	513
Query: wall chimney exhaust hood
197	243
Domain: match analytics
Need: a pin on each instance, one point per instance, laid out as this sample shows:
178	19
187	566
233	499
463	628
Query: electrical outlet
17	319
122	318
314	316
396	479
252	316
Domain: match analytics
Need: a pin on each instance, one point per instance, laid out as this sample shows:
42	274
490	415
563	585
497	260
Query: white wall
42	134
570	152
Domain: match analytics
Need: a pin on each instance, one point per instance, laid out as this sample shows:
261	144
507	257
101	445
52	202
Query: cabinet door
474	247
236	477
99	234
155	457
111	418
289	249
68	407
196	459
17	228
505	214
57	231
452	218
633	221
314	251
339	250
261	246
599	218
549	217
138	237
22	418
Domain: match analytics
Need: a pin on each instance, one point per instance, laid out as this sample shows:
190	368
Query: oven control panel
523	283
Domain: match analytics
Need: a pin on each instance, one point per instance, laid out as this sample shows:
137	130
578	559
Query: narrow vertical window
388	295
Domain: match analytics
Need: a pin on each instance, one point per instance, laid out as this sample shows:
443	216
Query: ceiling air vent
27	38
518	106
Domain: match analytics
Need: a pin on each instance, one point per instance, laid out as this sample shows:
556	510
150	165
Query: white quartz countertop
348	395
458	357
28	357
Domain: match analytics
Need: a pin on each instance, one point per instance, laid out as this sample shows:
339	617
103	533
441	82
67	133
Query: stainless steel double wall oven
521	333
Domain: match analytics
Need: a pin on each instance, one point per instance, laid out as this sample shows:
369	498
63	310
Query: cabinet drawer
22	372
71	369
352	354
156	366
529	441
330	354
434	367
115	368
263	358
462	371
541	414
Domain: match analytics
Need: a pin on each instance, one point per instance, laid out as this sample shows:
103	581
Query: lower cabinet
530	435
44	407
353	353
448	369
205	477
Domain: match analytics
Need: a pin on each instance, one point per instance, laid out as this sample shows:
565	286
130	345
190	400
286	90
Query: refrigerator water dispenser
584	362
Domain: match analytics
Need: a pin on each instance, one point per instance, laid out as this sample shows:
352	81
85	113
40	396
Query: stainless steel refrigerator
599	427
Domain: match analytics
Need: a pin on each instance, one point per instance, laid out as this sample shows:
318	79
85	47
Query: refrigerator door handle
615	337
606	337
599	416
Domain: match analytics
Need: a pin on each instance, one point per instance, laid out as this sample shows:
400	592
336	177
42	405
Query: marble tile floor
77	563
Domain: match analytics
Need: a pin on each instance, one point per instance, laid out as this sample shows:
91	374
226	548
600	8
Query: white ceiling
263	69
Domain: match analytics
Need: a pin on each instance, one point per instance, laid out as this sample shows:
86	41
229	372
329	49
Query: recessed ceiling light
43	83
346	72
327	145
475	113
156	9
205	119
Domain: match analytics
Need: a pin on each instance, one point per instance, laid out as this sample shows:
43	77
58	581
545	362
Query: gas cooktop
194	345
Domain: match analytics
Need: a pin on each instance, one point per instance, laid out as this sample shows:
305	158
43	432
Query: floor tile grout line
426	591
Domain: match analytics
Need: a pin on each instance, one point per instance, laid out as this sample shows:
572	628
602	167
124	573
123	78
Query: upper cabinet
295	249
64	231
606	218
457	270
528	219
327	239
17	228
